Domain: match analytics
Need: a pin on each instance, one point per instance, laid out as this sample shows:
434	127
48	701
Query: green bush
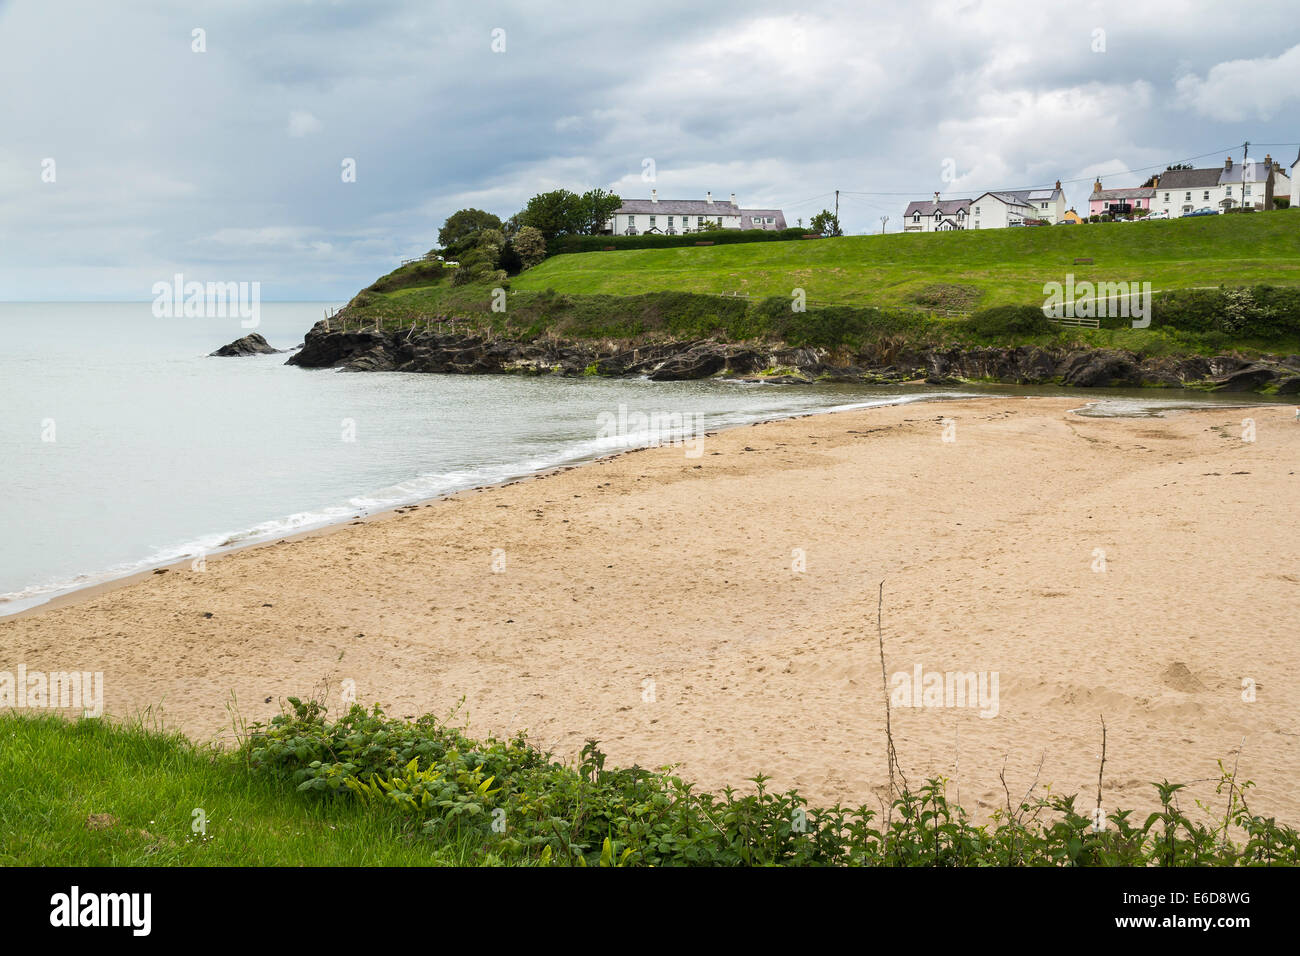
1261	312
719	237
1008	320
519	804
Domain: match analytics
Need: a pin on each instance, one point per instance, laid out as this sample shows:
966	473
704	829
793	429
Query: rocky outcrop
251	344
437	349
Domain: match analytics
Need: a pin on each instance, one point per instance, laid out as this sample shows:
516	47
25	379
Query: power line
1083	179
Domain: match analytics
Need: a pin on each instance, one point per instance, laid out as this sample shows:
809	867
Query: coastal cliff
439	349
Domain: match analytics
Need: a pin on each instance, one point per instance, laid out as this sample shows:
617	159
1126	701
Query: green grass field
93	794
1000	266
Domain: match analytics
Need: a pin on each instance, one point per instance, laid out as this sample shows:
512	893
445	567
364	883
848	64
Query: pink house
1119	202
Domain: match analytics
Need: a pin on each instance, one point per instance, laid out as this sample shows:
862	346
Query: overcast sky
226	165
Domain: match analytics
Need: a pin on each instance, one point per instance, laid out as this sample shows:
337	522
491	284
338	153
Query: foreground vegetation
369	789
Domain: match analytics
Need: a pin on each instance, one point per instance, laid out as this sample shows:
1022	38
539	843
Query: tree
826	223
597	209
1151	180
555	213
463	225
530	246
490	242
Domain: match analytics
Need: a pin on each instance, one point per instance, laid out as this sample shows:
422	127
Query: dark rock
251	344
1289	386
1248	379
1101	370
700	362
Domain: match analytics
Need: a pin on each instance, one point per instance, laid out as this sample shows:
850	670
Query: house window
1246	190
771	220
916	217
1228	193
1166	197
977	210
1187	198
936	215
1207	193
1044	205
699	222
631	222
652	222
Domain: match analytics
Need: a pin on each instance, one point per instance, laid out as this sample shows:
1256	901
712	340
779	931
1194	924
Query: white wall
661	222
995	214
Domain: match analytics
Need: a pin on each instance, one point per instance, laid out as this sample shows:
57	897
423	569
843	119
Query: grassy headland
1219	283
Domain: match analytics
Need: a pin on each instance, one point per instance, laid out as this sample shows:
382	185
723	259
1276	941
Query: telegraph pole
837	211
1245	151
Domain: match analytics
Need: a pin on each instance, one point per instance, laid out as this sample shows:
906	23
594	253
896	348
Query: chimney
654	195
1155	182
1058	184
936	199
708	197
733	199
1096	187
1268	161
1227	164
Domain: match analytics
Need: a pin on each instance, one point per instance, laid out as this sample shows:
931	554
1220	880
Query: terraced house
671	217
1251	183
1119	202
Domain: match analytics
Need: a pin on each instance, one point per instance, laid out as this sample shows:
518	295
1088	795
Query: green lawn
93	794
1000	265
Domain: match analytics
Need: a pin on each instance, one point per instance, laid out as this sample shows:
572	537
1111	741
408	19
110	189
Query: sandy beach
719	612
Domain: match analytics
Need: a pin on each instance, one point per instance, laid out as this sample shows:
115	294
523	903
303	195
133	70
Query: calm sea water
124	446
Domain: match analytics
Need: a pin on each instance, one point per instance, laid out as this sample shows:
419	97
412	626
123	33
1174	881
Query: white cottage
670	217
938	215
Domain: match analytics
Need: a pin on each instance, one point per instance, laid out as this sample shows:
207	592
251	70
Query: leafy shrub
521	805
719	237
1009	320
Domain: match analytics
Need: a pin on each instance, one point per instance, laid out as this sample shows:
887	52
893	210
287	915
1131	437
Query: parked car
1203	211
1162	214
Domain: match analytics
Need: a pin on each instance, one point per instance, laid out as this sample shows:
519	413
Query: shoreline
654	567
76	594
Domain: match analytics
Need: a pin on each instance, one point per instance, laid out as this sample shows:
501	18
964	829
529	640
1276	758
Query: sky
133	148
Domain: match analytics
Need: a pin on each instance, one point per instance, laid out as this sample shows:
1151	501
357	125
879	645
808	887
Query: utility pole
1245	151
837	211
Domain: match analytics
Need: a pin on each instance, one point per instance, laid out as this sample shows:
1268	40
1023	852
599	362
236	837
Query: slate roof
1233	175
1010	198
1189	178
673	207
1033	195
746	215
1139	192
946	207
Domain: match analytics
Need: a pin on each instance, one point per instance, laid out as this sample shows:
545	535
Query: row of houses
670	217
1253	184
